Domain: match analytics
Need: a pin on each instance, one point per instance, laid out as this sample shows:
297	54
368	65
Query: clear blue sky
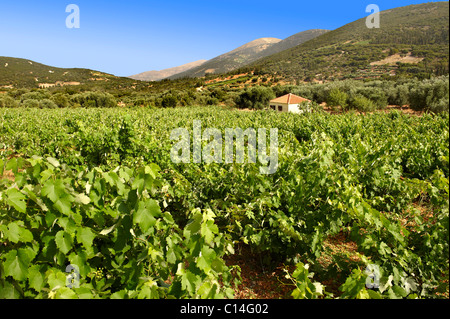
129	37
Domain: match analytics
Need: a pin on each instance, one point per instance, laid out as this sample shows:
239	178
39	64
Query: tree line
427	95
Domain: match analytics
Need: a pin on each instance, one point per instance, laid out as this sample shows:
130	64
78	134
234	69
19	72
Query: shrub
310	107
35	95
30	103
94	99
169	101
280	90
439	106
17	93
61	100
320	93
257	97
361	103
7	101
399	95
304	91
219	94
337	98
47	104
38	250
429	94
376	95
212	101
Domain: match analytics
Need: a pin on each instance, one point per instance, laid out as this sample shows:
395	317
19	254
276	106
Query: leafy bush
361	103
429	93
35	95
94	99
7	101
219	94
337	98
310	107
304	91
257	97
61	100
212	101
30	103
305	288
399	95
439	106
17	93
47	104
376	95
169	101
321	93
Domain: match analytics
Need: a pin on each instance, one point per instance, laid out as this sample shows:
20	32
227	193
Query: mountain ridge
247	54
231	60
165	73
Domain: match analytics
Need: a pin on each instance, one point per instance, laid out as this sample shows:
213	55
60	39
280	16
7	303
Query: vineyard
91	205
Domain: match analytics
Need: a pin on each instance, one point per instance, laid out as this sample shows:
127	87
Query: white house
288	103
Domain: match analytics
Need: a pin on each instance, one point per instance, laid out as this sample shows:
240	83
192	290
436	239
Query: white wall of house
293	108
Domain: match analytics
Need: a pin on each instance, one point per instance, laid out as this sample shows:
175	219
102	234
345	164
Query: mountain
230	60
162	74
16	72
248	53
291	42
419	34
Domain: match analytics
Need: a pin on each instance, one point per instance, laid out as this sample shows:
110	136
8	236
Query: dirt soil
393	59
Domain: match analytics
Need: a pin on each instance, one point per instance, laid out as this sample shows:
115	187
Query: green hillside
26	73
416	31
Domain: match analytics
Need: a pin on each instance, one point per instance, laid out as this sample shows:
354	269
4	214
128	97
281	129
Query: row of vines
91	205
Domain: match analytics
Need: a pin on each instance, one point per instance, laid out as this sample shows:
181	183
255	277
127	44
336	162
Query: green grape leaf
145	215
16	199
82	199
64	241
53	161
35	278
56	279
16	264
57	193
65	293
16	233
85	236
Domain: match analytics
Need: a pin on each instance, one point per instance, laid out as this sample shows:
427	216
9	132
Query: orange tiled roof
290	99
